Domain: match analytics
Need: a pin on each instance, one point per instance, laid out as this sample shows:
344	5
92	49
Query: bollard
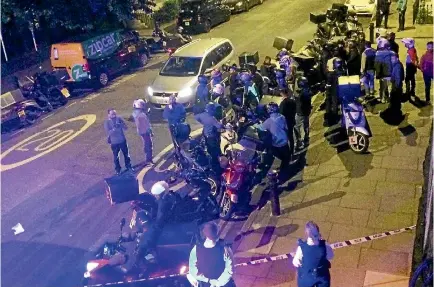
274	193
371	32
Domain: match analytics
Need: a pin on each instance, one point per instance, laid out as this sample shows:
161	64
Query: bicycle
423	275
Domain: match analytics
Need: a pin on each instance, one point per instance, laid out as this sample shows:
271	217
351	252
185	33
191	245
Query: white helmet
218	89
159	187
139	104
180	29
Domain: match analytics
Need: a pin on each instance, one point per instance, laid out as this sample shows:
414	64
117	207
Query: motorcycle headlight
150	91
183	269
239	4
185	93
91	266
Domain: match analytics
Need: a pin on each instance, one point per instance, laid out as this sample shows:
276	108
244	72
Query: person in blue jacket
396	79
216	77
175	114
383	68
202	95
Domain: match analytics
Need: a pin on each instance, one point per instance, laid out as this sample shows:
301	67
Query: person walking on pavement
426	66
392	44
383	68
287	108
354	60
401	7
312	259
411	64
114	127
144	129
303	109
396	79
211	262
368	68
383	9
277	127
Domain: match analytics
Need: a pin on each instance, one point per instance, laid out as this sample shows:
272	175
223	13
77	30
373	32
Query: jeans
410	81
213	148
401	20
427	79
369	82
301	128
116	148
384	89
147	145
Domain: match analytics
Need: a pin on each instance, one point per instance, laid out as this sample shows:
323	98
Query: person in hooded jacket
175	114
251	94
393	45
144	129
354	60
396	79
368	68
202	95
426	66
287	108
216	78
411	64
257	79
303	102
383	68
234	79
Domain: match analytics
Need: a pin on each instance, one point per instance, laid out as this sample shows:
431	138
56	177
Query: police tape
335	245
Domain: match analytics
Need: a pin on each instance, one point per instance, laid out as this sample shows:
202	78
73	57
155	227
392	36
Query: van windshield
181	67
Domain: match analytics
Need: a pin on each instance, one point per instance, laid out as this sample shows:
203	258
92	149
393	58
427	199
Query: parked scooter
47	90
353	117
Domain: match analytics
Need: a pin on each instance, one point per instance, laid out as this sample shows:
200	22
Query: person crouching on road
144	129
114	127
211	263
276	125
211	131
312	259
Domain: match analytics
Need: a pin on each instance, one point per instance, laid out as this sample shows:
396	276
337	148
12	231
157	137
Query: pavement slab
385	261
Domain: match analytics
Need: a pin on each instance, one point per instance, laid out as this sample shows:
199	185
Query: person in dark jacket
114	127
401	6
411	64
144	129
393	45
354	60
383	9
383	70
174	112
234	81
396	80
267	69
303	104
211	262
368	69
257	79
312	259
202	95
287	108
426	66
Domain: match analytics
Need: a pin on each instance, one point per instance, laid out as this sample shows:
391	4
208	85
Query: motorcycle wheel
102	79
361	145
32	114
143	60
227	207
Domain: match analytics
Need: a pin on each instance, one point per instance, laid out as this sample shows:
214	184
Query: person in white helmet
180	36
144	129
166	201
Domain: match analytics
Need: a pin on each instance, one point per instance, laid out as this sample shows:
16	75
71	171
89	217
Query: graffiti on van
101	46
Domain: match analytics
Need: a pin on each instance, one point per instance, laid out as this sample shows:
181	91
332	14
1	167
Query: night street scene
216	143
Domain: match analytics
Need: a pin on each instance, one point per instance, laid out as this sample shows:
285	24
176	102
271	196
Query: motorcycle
240	163
353	117
110	263
47	90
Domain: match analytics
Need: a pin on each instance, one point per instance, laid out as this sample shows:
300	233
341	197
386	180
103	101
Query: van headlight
185	93
150	91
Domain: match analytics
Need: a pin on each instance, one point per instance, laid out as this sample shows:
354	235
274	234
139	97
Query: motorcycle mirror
122	223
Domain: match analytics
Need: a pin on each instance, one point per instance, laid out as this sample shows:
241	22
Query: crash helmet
159	187
139	104
245	77
216	73
180	29
218	89
272	108
283	52
408	42
302	82
210	108
202	79
172	99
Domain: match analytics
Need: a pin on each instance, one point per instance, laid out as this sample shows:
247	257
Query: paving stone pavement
349	196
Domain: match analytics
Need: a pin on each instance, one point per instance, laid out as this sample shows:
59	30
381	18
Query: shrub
168	12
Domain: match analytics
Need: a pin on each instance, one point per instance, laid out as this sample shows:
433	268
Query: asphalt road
52	172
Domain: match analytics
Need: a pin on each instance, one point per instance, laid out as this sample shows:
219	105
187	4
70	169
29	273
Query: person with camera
211	262
114	127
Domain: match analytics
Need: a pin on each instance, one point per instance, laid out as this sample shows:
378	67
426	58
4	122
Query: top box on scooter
349	87
318	18
248	58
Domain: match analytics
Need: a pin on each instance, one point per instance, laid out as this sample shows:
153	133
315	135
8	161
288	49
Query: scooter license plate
164	43
131	49
21	114
353	139
187	23
65	92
